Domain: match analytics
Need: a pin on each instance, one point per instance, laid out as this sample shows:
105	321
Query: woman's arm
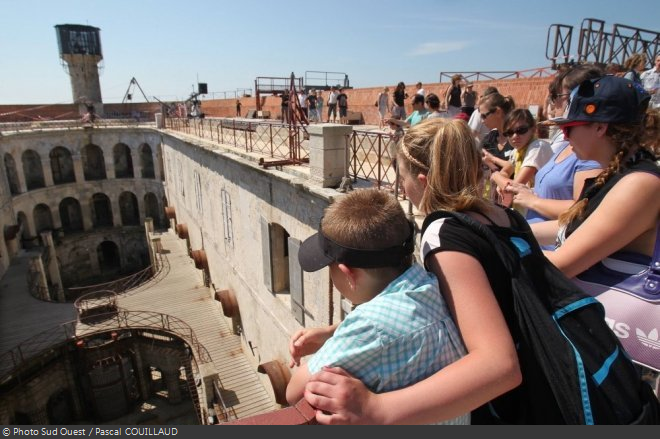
545	232
625	220
525	175
489	369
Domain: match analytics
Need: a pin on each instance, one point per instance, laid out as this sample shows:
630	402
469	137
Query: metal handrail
272	139
541	72
19	356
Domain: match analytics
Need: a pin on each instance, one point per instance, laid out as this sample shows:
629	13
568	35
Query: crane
130	91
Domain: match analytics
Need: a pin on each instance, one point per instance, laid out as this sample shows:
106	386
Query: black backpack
564	343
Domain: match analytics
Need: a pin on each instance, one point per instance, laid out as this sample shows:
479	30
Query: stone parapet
328	158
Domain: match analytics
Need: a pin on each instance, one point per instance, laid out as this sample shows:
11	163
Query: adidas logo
650	341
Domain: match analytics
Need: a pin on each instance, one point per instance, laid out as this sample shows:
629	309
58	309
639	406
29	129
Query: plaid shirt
398	338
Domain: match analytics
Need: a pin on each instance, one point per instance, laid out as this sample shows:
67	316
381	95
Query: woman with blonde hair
440	169
634	67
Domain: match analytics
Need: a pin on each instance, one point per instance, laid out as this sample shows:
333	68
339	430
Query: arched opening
101	211
61	165
108	256
123	161
60	408
71	215
21	220
12	175
93	163
33	171
151	209
147	161
43	219
128	207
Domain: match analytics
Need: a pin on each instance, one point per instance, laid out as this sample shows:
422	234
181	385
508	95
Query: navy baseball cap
319	251
609	99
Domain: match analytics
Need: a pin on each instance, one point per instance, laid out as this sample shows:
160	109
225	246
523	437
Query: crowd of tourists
445	341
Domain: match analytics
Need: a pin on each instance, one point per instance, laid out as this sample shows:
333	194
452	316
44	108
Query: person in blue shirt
401	330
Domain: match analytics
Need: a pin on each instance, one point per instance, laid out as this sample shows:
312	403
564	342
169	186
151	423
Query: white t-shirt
538	154
332	99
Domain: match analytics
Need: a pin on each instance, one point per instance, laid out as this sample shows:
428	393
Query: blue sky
168	46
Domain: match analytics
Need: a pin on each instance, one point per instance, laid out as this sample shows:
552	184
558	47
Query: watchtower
80	52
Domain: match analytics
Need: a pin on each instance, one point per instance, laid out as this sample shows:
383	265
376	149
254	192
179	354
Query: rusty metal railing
541	72
272	139
116	286
8	127
371	159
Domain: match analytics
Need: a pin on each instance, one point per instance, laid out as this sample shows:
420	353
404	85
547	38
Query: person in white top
332	104
529	156
420	90
651	83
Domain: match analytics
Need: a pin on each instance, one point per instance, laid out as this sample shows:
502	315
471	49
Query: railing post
380	160
328	158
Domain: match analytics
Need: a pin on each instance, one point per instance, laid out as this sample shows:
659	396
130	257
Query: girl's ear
423	179
601	129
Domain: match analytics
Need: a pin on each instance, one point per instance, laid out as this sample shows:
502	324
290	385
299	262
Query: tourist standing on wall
399	98
419	89
453	96
342	103
284	106
319	105
383	103
332	104
468	99
311	105
302	100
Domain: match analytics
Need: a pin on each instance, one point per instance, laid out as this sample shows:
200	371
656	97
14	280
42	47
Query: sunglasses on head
485	115
520	131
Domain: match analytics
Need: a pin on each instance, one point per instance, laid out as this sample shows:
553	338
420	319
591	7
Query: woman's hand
307	341
523	195
339	398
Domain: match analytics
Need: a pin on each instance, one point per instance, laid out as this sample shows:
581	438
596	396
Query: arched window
151	209
43	219
101	211
108	255
34	173
71	215
123	161
93	163
147	161
128	206
12	176
61	166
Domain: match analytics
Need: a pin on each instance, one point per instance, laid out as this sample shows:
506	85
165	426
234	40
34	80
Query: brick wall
525	91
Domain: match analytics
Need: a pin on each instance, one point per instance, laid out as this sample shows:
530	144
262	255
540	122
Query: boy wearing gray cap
400	331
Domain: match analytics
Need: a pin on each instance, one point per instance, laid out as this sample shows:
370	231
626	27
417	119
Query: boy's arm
307	341
296	387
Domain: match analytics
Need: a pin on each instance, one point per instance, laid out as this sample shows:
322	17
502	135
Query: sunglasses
566	128
485	115
556	97
519	131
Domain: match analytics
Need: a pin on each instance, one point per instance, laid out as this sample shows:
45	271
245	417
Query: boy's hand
307	341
